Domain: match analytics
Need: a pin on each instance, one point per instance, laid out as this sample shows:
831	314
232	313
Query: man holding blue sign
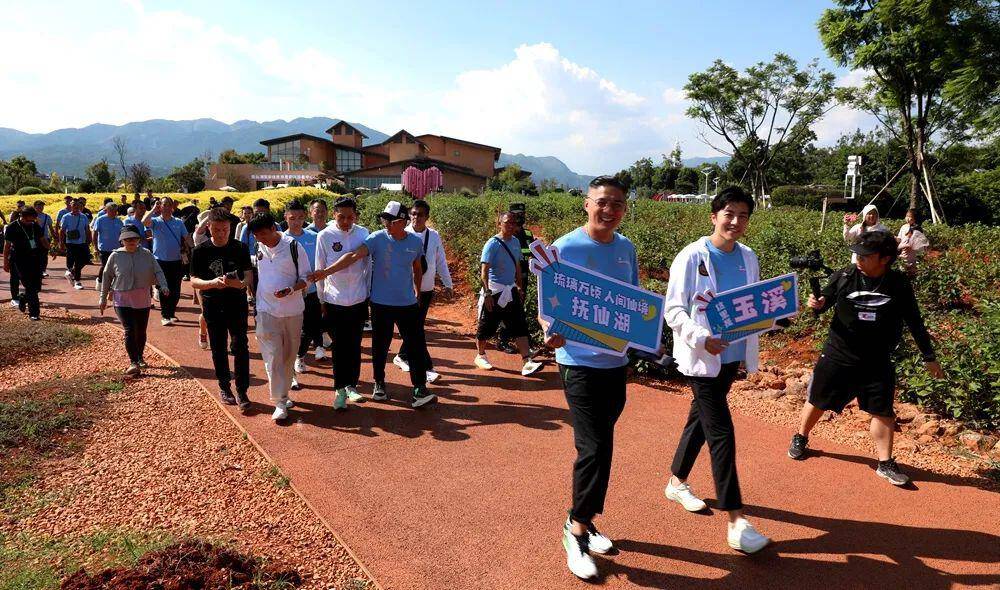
710	265
593	379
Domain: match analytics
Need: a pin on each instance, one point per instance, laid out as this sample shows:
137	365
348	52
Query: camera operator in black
524	238
871	302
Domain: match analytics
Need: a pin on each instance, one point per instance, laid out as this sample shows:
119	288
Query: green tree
641	173
919	56
101	176
191	176
760	112
139	176
231	156
20	172
511	179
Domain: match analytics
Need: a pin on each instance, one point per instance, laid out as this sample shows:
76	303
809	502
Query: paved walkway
472	492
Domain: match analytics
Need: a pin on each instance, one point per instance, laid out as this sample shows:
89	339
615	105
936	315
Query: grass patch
279	479
20	337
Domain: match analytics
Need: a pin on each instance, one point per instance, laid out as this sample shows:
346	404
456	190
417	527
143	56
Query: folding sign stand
857	183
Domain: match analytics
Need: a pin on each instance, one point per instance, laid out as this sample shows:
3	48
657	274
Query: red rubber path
472	492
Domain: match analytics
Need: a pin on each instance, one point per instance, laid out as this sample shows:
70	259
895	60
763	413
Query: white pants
279	339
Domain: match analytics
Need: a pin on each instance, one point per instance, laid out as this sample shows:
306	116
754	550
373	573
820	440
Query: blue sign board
593	310
752	309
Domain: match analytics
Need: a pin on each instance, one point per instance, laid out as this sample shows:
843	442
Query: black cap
875	242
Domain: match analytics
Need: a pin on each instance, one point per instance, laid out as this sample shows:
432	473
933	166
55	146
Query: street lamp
716	181
707	172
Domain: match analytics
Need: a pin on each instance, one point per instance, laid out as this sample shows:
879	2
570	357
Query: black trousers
348	323
173	271
15	280
425	303
44	261
77	256
710	421
105	254
228	320
29	273
596	398
135	321
411	330
312	324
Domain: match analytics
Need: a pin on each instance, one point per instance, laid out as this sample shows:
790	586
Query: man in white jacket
434	264
710	265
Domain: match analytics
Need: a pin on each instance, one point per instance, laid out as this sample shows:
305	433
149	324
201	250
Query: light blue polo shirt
168	235
246	236
60	214
730	273
78	222
45	222
617	260
308	241
392	267
108	229
503	268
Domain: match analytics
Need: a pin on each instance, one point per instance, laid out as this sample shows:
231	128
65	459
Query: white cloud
675	97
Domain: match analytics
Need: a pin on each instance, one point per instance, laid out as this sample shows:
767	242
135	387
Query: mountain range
165	144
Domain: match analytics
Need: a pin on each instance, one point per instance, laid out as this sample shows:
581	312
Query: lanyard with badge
31	239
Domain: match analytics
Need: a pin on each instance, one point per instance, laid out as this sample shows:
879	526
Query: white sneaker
327	341
300	365
173	321
368	326
15	303
597	542
69	276
320	354
97	284
482	363
743	537
353	396
78	286
530	366
280	413
294	386
289	402
578	558
403	365
165	322
433	376
682	495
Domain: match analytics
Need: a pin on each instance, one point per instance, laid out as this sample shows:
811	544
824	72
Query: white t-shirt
437	264
350	285
276	271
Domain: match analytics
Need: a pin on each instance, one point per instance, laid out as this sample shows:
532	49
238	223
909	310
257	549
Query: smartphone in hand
283	292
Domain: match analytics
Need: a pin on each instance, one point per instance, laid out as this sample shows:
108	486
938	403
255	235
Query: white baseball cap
394	211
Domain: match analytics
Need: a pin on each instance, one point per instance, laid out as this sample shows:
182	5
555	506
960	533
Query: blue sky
594	83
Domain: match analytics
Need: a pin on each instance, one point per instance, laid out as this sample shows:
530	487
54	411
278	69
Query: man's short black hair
262	203
108	200
79	201
318	202
39	203
732	194
422	204
295	206
28	211
607	180
260	221
217	214
346	202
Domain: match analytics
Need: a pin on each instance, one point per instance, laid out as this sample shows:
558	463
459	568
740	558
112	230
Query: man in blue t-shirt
396	273
594	382
74	237
170	247
501	299
48	229
107	227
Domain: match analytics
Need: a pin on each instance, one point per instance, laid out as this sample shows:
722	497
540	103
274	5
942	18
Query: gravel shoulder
162	459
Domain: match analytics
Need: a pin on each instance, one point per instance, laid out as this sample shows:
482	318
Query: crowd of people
310	286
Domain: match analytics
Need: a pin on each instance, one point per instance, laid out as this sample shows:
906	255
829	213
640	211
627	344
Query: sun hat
128	232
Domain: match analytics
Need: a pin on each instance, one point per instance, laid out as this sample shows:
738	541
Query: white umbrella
267	188
228	188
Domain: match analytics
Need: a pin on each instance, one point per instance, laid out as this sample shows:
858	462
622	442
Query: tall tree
191	176
121	148
759	113
101	176
919	56
139	175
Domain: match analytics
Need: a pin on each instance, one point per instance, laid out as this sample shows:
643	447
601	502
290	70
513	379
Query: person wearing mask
501	299
129	274
107	235
344	296
434	264
312	321
713	263
220	271
23	243
45	221
74	239
912	243
170	250
869	222
282	268
395	268
872	301
593	382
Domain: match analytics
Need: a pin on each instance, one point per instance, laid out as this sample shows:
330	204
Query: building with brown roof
307	159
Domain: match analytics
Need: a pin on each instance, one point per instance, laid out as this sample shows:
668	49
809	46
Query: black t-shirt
869	315
25	240
123	210
209	262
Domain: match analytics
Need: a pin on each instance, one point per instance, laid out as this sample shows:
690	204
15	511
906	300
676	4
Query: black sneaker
421	397
242	400
506	347
890	471
797	450
227	397
142	363
378	392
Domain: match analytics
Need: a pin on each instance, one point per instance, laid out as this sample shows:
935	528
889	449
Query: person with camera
220	271
170	248
872	301
344	297
282	267
74	239
433	264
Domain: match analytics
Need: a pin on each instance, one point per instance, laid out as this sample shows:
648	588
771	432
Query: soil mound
189	565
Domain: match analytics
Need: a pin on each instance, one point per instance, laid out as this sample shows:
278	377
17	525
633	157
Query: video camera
812	261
